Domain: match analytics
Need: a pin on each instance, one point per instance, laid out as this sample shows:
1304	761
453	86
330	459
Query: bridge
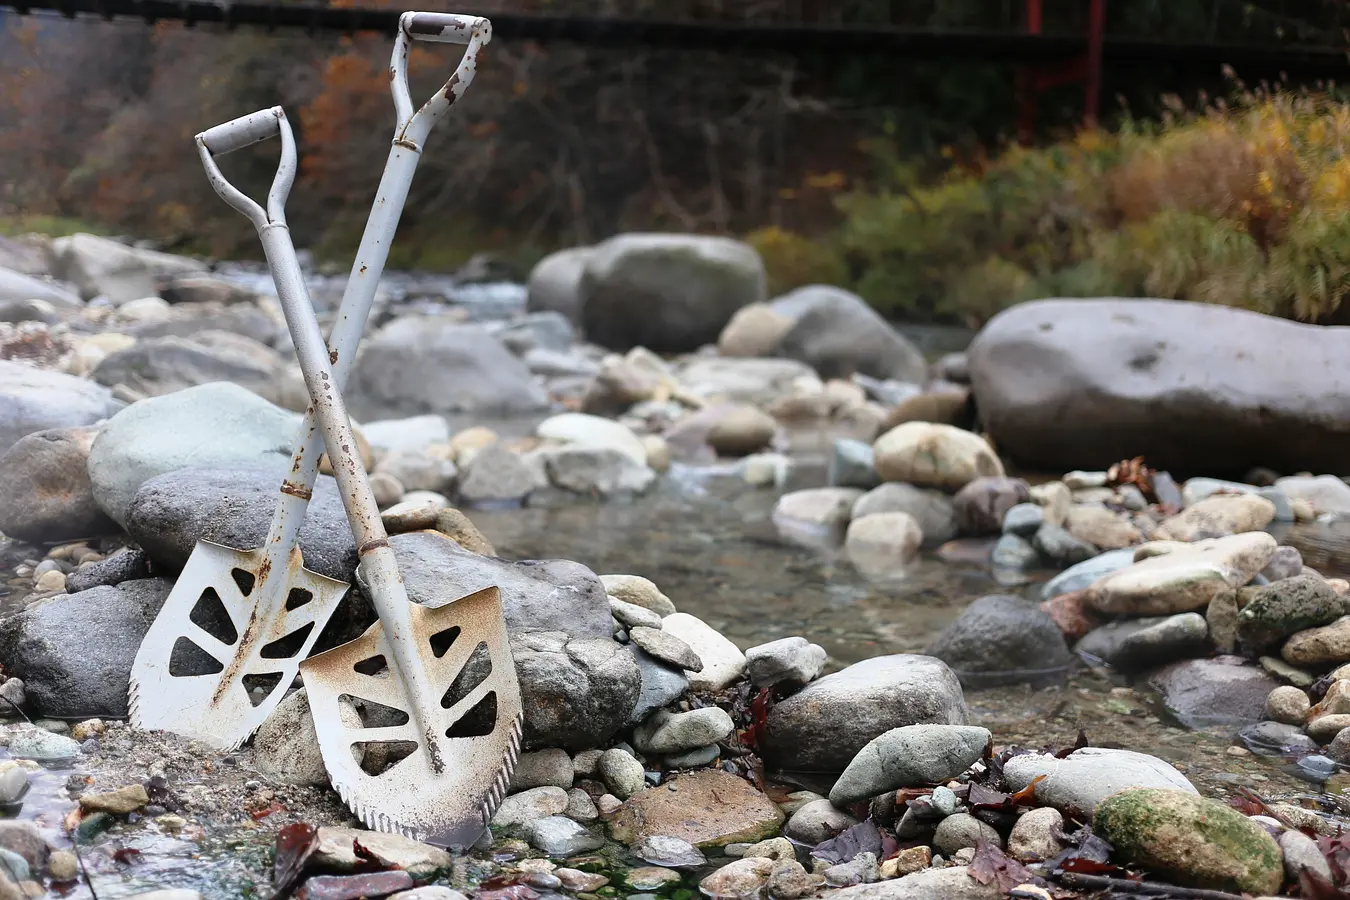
1046	58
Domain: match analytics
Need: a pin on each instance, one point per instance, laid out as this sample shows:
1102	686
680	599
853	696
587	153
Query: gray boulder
1132	645
193	318
163	365
219	424
1002	639
1225	691
36	400
233	506
97	265
932	509
666	292
554	595
428	364
543	330
74	651
555	283
823	727
1066	384
45	494
16	286
838	334
577	691
909	756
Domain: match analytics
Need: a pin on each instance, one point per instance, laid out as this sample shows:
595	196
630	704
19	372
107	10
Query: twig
1125	886
79	858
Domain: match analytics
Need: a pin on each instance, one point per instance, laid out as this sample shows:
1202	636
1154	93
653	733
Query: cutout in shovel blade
210	666
451	808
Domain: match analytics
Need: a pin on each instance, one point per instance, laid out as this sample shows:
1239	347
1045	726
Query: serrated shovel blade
465	650
215	663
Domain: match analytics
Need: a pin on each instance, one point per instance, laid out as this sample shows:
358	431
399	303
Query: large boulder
121	273
822	727
428	364
666	292
233	506
45	494
555	283
66	674
1065	384
838	334
220	424
163	365
36	400
18	286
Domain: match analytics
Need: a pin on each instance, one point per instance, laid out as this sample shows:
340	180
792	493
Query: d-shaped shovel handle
472	31
243	132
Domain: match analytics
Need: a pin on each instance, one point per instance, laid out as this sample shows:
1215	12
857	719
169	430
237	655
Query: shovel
435	689
195	674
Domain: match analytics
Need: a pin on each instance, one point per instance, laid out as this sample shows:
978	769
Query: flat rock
1077	784
496	476
37	400
828	507
157	366
1225	690
412	433
667	733
639	591
215	425
1079	383
1319	646
1185	579
790	660
542	768
1326	493
1136	644
99	265
1083	574
823	727
336	852
596	471
909	756
559	836
530	806
708	808
665	647
65	674
585	430
723	662
1218	516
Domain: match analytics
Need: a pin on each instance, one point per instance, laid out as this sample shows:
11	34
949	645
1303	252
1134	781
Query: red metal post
1092	91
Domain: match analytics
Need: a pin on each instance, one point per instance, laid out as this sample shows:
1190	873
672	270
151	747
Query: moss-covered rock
1190	839
1273	612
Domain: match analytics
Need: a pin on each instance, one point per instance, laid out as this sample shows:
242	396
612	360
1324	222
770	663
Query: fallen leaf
992	865
864	837
354	887
1027	795
127	856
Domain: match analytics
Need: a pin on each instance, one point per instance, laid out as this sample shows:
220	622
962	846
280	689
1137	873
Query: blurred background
942	158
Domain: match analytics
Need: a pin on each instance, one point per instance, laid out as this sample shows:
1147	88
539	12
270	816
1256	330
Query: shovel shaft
379	567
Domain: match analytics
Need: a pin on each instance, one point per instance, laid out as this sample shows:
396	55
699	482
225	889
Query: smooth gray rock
1023	519
791	660
1301	854
1002	638
824	725
45	493
157	366
953	883
543	768
1137	644
1079	576
286	747
577	692
621	772
427	364
1076	784
496	476
37	400
213	425
541	330
982	504
956	833
666	292
552	595
414	433
1055	543
665	647
18	287
837	333
1223	691
530	806
555	283
65	673
679	732
596	471
1013	552
932	509
910	756
98	265
559	836
670	852
233	506
43	746
1286	563
193	318
817	821
1088	382
661	685
124	565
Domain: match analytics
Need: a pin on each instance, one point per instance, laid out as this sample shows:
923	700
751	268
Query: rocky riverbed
789	620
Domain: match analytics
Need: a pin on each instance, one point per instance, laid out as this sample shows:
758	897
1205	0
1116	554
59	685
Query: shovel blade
382	768
214	663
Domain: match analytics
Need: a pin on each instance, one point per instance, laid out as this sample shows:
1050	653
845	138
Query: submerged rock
1202	693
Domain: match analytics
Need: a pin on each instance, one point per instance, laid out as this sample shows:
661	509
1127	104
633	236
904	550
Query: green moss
1196	841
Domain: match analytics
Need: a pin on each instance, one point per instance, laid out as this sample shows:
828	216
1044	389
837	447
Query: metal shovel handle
243	132
472	31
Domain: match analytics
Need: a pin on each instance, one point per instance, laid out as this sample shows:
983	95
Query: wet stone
650	878
119	802
668	852
559	836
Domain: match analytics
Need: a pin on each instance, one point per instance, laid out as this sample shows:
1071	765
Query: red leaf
1027	795
1246	805
127	856
759	719
1313	886
993	865
354	887
295	845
